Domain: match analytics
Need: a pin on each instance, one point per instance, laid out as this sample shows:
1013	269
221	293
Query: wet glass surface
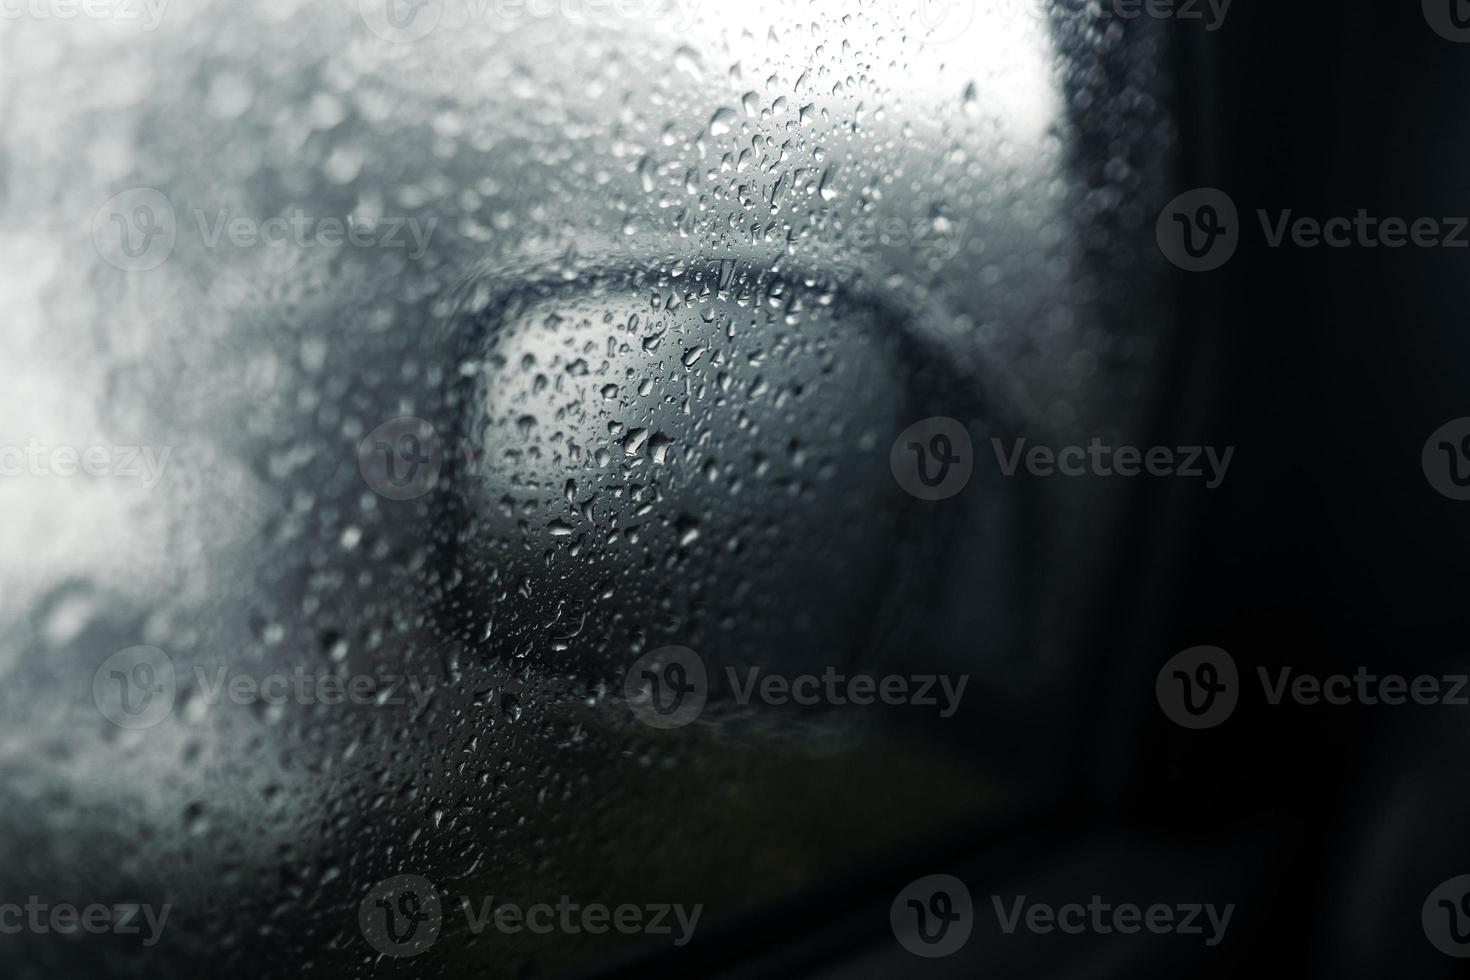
461	374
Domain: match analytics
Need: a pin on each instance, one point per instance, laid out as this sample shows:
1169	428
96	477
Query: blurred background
500	488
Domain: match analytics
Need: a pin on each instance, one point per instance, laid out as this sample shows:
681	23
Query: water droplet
722	121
